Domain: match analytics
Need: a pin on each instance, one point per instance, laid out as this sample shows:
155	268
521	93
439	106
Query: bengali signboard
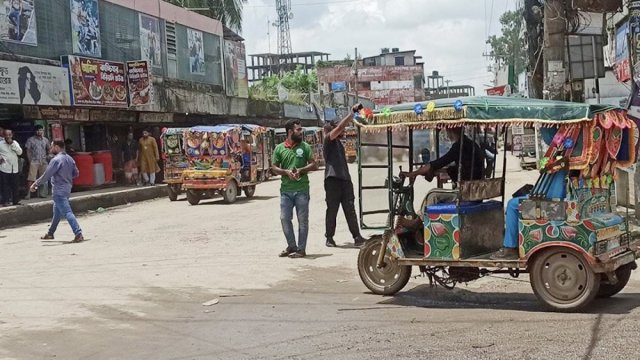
97	82
31	84
622	68
139	83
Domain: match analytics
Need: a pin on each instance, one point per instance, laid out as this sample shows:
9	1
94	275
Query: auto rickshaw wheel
563	280
623	273
172	193
192	197
387	280
249	191
230	192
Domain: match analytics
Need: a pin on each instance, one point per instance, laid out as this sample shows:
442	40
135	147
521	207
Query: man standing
61	170
37	147
9	169
337	181
293	160
148	158
129	159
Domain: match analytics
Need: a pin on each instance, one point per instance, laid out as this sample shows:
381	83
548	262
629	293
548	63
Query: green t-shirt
288	159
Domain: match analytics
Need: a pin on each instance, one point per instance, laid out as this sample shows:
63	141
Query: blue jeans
299	200
512	222
61	207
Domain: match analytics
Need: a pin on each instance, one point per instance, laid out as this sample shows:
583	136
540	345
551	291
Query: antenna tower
283	8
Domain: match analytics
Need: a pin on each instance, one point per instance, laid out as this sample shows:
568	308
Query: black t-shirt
335	162
469	160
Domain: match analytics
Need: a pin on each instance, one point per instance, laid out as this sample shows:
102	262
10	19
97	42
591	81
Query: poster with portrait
235	69
195	41
150	47
85	27
32	84
18	22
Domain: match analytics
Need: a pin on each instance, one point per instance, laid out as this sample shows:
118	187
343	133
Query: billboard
150	48
195	41
97	83
235	69
31	84
139	83
18	22
85	27
621	66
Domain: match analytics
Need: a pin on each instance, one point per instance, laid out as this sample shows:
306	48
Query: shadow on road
460	298
240	200
61	242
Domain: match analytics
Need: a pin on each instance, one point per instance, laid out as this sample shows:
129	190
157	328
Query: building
264	65
392	77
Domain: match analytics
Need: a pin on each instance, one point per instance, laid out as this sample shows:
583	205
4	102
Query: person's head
58	146
453	134
39	131
328	126
146	133
7	134
130	136
294	131
68	142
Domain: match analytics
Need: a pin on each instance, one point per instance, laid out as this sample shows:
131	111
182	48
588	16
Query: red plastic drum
84	162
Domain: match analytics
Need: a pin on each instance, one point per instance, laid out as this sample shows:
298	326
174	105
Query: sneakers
330	242
79	238
505	254
297	254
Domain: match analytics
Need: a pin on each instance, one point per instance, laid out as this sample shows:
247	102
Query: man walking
9	169
61	170
293	160
148	158
38	148
337	181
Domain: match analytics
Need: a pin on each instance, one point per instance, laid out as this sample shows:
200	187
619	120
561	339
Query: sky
450	35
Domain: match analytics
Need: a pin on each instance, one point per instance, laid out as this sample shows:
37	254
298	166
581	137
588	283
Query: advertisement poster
18	22
139	83
622	68
97	83
150	40
196	51
85	27
30	84
236	73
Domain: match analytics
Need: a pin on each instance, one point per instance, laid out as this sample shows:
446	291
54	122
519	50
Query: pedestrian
337	181
148	157
9	168
293	160
61	170
129	153
37	148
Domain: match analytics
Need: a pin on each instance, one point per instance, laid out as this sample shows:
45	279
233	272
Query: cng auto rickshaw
220	162
574	248
175	160
314	137
349	141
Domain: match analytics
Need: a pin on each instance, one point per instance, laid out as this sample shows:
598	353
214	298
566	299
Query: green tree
297	83
510	47
229	12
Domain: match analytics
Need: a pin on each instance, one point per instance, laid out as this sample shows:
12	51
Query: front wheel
623	273
562	280
192	197
230	193
172	193
387	280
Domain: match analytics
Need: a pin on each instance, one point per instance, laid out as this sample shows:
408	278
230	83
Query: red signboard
139	83
97	82
498	90
623	70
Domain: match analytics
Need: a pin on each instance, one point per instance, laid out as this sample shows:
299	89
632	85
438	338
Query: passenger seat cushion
466	207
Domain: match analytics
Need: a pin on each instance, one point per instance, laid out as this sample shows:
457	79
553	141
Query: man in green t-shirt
293	160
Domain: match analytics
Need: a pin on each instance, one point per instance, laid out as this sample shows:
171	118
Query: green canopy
484	110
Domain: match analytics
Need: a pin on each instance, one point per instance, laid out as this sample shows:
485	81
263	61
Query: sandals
47	237
297	255
286	252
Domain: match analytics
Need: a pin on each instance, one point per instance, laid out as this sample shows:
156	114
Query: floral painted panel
442	236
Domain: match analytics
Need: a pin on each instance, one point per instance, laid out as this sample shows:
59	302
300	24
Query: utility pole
355	63
555	30
448	81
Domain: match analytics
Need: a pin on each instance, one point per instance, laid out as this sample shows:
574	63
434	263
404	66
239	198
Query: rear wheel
172	192
230	192
623	273
193	198
249	191
563	280
387	280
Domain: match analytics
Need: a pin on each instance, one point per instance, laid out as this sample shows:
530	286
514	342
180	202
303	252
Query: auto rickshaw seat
605	219
465	208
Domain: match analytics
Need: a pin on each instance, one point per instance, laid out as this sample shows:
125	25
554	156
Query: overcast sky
449	34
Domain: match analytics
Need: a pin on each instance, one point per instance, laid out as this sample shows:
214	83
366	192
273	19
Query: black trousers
9	187
340	192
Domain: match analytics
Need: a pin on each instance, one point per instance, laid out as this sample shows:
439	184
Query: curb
31	213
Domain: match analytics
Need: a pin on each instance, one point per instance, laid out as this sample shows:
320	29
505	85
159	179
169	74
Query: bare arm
311	166
337	132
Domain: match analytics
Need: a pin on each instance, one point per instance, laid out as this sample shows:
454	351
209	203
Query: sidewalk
40	209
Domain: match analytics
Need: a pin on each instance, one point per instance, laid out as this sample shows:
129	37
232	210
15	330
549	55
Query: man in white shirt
9	169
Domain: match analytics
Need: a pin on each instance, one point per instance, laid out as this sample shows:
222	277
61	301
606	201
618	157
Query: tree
510	47
229	12
297	83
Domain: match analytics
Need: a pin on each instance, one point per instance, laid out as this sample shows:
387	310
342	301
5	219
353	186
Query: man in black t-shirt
337	181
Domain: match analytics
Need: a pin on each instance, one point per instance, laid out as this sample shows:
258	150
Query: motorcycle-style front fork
383	248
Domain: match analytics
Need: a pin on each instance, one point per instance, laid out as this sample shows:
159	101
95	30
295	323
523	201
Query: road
136	289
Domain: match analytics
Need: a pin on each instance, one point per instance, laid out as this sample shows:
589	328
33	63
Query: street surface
136	289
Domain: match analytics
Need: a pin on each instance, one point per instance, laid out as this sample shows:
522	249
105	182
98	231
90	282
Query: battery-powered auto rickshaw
574	247
220	162
175	160
349	141
262	144
314	137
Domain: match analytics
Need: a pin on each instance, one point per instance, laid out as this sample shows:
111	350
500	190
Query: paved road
136	290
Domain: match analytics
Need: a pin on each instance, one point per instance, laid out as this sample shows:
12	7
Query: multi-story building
392	77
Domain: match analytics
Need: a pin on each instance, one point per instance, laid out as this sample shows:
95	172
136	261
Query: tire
193	198
563	280
249	191
623	273
172	193
230	192
385	281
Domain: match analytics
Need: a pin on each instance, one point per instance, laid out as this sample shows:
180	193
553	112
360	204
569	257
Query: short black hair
60	143
39	127
68	141
291	124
